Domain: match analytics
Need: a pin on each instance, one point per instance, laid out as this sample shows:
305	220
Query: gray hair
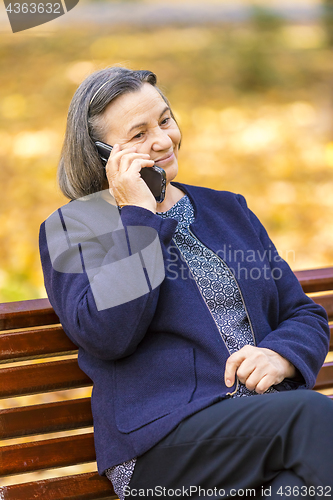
80	171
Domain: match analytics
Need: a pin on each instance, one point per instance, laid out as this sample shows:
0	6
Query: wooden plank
316	280
34	343
26	314
39	455
325	377
50	417
327	302
88	486
42	377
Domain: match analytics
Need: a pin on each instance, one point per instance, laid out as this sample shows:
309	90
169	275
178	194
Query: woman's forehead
127	108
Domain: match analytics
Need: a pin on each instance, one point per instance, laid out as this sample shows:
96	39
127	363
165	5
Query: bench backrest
36	358
41	359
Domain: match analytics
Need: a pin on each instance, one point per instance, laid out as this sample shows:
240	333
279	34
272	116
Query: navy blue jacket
159	357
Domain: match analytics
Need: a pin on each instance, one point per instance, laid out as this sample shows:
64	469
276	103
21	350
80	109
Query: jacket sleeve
104	284
302	334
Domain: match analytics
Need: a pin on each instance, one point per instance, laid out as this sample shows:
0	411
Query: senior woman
182	311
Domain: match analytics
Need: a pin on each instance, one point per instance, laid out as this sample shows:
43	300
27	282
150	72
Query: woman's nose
161	140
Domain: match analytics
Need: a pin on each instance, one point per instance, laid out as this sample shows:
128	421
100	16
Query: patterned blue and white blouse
221	293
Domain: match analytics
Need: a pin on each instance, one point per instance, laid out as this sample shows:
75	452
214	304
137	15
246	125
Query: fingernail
228	382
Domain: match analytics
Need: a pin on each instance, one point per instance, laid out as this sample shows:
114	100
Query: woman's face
143	120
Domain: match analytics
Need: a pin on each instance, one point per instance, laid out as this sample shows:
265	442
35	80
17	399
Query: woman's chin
171	172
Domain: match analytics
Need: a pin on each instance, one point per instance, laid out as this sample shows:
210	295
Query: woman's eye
165	121
138	136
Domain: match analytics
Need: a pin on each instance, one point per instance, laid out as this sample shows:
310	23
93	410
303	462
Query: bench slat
79	487
45	342
27	313
59	452
325	377
316	280
49	417
327	302
40	312
42	377
34	343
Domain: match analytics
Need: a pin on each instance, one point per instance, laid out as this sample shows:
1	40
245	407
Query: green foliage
265	20
327	20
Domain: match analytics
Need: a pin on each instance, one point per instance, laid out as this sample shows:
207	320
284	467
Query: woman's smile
165	160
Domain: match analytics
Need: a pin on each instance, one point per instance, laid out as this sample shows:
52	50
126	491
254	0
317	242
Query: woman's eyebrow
138	125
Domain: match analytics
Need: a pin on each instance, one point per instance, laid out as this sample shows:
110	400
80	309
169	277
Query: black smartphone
154	176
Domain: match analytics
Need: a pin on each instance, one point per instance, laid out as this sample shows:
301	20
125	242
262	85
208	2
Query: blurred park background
251	86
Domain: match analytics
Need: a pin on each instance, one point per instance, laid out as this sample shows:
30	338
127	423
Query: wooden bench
37	359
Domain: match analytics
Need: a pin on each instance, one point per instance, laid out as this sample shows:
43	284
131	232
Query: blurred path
164	13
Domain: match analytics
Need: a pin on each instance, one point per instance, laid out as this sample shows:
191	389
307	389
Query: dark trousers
275	445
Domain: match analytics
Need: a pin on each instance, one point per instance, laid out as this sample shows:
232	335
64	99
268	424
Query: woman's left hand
258	368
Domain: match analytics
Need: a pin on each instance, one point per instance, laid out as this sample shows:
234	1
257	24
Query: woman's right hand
125	182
